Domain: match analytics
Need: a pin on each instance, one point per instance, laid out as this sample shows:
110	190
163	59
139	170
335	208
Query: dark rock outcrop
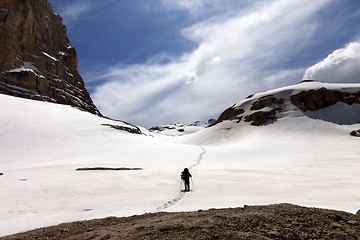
266	101
160	128
37	60
355	133
262	117
257	115
128	128
179	127
232	113
313	100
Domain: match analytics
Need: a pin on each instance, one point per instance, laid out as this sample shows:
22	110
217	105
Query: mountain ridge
308	96
292	109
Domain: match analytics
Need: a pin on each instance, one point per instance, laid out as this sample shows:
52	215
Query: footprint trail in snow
181	195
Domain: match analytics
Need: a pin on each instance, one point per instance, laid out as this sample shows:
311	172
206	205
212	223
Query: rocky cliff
37	60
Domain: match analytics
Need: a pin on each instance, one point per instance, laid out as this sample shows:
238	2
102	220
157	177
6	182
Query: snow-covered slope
295	159
292	108
42	144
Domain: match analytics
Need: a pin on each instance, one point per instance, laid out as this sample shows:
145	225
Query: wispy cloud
235	57
341	66
189	5
74	10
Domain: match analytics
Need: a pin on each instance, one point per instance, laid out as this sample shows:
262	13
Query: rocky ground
282	221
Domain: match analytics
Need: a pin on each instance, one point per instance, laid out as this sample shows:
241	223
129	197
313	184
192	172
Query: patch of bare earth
282	221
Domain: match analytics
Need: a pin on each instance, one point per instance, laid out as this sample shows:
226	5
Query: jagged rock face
37	60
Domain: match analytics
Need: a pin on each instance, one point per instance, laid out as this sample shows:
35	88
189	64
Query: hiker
186	175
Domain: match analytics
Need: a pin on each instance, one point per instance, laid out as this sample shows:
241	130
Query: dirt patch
282	221
106	169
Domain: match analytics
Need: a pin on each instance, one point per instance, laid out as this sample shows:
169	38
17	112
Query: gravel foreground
280	221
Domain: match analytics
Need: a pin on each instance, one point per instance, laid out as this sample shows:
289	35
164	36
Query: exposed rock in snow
232	113
125	127
355	133
198	123
312	99
173	129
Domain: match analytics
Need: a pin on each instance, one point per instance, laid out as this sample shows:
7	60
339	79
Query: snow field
297	159
266	176
44	143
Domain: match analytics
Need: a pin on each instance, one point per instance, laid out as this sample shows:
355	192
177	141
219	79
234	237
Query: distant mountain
336	103
37	60
177	129
203	123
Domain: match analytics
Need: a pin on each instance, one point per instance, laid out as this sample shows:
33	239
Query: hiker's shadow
184	191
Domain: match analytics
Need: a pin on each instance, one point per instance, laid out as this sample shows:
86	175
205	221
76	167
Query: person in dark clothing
185	175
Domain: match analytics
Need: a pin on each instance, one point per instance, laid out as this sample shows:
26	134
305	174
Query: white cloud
189	5
341	66
282	76
214	60
209	8
192	77
74	10
249	44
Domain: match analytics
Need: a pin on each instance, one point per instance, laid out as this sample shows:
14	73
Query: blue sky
153	62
